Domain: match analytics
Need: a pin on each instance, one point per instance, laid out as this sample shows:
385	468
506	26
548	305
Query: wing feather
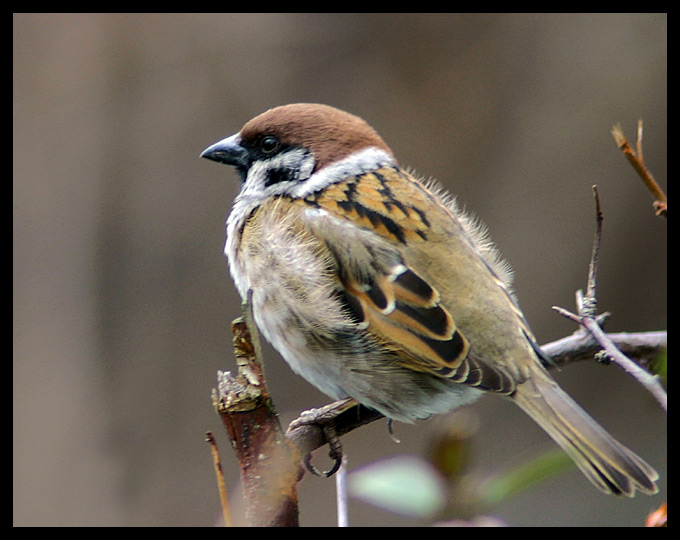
362	225
398	305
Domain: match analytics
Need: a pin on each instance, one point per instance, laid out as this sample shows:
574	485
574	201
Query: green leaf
520	478
405	485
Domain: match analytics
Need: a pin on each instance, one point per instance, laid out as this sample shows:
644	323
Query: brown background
121	296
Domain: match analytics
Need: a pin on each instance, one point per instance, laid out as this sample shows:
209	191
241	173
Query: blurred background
122	301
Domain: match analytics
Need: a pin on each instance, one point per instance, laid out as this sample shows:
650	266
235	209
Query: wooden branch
269	463
219	474
643	347
636	160
587	317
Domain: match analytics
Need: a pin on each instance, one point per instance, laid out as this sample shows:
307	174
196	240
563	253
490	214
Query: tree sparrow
373	285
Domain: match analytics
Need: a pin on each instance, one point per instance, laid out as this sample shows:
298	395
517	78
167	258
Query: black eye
269	144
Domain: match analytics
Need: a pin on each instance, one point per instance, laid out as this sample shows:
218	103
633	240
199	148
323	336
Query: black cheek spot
275	176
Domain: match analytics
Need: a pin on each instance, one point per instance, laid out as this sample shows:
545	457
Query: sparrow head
299	148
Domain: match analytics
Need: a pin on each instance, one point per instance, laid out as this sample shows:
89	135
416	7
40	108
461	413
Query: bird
373	284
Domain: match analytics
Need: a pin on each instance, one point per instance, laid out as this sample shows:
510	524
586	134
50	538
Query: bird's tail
609	465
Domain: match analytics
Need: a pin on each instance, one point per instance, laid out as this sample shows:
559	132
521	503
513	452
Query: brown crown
329	133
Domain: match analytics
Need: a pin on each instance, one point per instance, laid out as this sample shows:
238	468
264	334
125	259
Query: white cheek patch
368	159
297	159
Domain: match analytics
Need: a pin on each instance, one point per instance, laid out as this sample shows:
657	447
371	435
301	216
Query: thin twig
342	494
646	379
219	474
636	160
642	347
638	144
650	382
589	304
587	317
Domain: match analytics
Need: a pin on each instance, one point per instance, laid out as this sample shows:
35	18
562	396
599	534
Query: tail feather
609	465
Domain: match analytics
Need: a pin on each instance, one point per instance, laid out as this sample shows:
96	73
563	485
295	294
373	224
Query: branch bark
637	161
587	317
269	463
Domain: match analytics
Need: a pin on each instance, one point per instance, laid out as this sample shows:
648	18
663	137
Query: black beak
230	152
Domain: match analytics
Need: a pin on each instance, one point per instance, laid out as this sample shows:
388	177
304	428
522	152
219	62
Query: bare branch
643	347
588	305
661	202
587	317
219	474
646	379
269	463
